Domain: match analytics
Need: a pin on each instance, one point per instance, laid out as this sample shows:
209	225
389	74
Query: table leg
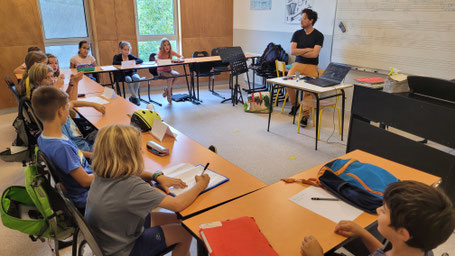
271	105
201	250
342	112
295	104
317	121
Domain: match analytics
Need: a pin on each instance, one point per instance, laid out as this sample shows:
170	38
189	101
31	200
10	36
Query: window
156	19
64	25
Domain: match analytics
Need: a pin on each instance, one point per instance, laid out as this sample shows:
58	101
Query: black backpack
266	63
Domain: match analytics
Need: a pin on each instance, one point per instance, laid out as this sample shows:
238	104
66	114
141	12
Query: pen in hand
205	168
325	199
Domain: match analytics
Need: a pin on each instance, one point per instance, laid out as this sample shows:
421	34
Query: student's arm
117	60
176	54
351	229
20	69
183	200
82	103
74	81
138	60
87	154
84	179
60	82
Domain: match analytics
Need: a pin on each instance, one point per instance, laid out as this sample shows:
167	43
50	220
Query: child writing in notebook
415	219
118	195
166	52
131	75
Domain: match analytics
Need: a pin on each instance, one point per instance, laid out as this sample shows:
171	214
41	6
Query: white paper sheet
95	99
332	210
187	172
128	64
108	68
160	129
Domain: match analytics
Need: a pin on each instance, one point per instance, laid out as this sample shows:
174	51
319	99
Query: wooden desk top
182	150
285	223
302	85
86	85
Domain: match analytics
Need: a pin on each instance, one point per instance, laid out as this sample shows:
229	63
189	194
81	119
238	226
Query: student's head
125	47
421	216
117	152
52	61
165	45
309	17
34	57
34	49
84	48
40	75
50	103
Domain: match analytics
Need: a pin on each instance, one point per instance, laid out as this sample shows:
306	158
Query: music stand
237	62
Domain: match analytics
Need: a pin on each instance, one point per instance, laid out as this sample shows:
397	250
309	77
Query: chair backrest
30	116
201	68
280	67
153	71
48	167
88	237
216	52
12	87
198	54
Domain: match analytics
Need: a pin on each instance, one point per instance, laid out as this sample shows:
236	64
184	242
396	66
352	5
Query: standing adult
305	45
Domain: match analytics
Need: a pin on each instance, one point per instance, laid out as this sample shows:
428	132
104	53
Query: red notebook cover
239	236
371	80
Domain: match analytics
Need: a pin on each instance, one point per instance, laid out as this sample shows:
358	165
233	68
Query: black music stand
237	62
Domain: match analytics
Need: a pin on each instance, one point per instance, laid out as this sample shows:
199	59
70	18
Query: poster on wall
260	4
294	10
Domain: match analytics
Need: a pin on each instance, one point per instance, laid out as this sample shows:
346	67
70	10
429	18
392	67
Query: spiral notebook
186	172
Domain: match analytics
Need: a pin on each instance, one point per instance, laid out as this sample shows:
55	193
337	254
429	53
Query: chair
12	88
204	69
329	103
46	165
280	67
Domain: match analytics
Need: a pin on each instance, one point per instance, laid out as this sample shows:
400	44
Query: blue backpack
359	184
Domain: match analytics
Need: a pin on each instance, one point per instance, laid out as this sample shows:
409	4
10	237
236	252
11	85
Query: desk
285	223
315	90
182	150
86	85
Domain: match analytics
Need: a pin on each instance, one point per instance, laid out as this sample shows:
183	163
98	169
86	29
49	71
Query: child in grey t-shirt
120	202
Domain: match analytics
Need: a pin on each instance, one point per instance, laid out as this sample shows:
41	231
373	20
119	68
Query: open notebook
186	172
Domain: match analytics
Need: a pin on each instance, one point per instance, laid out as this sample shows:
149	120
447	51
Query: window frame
171	37
70	40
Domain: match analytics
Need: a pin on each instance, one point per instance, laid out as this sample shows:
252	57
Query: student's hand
75	78
311	247
60	81
348	228
203	179
167	182
100	108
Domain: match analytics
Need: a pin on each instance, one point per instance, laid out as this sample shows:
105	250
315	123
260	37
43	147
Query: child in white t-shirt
82	56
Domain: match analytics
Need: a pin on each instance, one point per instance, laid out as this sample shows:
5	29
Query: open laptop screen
335	72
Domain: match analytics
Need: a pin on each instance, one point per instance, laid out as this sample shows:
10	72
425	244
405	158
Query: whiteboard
415	36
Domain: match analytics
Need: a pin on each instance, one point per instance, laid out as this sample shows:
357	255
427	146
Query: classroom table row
283	222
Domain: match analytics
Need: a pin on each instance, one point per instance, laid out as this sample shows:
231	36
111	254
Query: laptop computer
432	87
333	75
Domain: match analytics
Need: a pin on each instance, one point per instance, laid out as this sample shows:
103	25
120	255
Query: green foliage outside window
155	17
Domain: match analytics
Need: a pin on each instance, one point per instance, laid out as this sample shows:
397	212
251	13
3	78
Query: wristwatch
156	175
70	85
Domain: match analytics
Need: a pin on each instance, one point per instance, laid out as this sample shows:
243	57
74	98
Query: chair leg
312	115
300	116
276	97
320	118
284	102
339	120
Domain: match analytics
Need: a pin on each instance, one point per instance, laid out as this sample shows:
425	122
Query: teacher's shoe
304	121
294	110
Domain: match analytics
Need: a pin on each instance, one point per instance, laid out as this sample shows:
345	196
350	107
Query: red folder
239	236
371	80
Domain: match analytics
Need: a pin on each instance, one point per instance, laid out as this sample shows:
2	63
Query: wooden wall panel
16	39
125	19
104	20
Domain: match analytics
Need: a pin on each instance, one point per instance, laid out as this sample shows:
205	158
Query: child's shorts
151	242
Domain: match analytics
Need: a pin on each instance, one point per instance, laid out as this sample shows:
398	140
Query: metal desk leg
317	121
342	112
271	106
295	104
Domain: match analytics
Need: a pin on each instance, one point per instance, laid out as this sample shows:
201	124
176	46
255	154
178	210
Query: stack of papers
95	99
373	82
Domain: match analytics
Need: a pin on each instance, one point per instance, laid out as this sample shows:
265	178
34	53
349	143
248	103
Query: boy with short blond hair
52	108
415	219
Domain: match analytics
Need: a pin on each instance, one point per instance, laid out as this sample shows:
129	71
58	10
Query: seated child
31	59
21	69
120	204
415	219
52	107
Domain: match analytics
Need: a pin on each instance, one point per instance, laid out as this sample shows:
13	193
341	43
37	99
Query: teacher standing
305	45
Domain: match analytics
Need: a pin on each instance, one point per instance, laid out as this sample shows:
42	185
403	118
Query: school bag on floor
36	209
258	102
359	184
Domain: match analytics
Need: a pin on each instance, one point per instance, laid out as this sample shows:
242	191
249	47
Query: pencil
324	199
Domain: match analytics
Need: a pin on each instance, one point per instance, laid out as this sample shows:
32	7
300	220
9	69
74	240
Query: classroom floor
240	137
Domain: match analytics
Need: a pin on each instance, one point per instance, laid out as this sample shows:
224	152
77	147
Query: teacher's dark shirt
307	41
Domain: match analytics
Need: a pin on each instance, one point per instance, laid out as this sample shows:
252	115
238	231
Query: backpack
36	209
28	128
266	63
359	184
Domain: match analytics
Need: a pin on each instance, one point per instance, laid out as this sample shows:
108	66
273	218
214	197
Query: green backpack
36	209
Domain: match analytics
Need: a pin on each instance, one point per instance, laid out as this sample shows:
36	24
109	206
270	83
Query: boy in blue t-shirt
52	108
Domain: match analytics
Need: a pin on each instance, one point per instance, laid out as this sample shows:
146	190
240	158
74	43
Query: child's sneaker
304	121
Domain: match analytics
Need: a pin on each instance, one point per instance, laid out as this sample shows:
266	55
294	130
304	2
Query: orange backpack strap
340	171
310	181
